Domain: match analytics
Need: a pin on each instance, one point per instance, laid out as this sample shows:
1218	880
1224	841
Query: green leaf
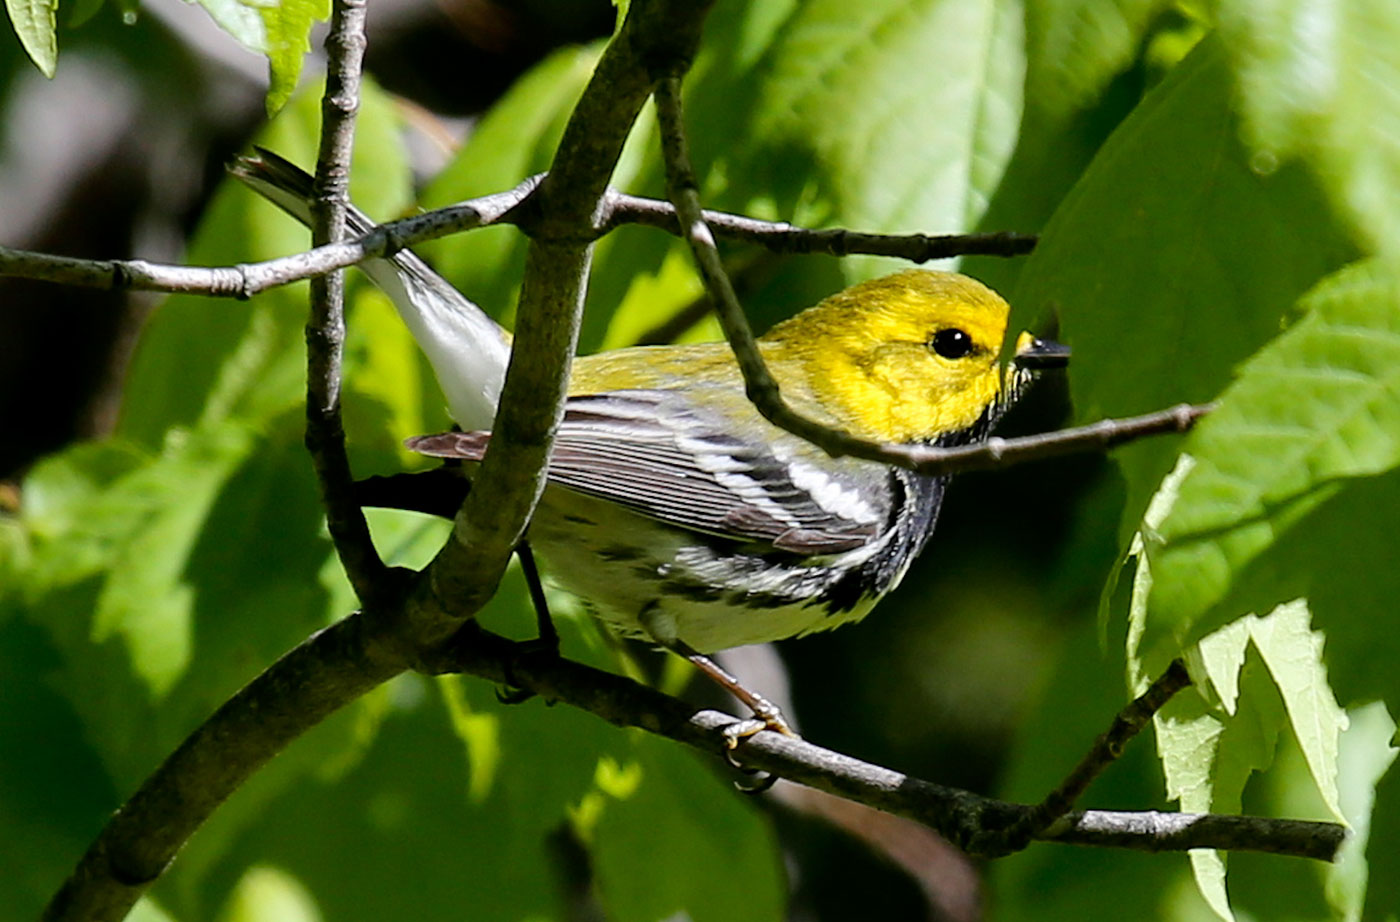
402	829
921	173
288	25
1340	556
1367	753
264	893
654	298
1172	260
1075	47
826	113
145	599
1319	80
1253	677
1210	749
1087	66
838	128
710	856
34	22
243	21
1293	653
1317	406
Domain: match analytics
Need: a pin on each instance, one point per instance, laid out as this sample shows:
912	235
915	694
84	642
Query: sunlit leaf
1320	80
265	893
1208	752
1368	750
288	26
34	22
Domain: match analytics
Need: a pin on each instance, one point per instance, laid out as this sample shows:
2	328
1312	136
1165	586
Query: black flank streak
694	592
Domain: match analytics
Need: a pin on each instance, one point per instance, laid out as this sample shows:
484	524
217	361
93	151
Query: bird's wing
655	453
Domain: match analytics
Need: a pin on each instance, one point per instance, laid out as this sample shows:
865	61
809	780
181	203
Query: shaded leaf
709	855
1074	48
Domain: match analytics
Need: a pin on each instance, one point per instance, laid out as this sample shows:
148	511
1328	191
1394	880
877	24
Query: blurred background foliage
1217	186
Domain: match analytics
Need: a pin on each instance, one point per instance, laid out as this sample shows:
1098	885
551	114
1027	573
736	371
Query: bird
673	509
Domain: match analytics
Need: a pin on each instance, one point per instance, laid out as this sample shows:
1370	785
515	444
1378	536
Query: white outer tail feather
467	349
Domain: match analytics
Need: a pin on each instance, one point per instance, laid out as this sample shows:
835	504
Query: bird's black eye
951	343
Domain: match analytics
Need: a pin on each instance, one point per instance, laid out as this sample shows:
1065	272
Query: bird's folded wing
655	453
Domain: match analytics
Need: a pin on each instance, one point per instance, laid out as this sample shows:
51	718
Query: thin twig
1129	722
781	237
975	823
999	452
325	329
248	279
683	191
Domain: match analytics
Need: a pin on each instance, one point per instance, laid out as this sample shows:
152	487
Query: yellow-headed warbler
679	514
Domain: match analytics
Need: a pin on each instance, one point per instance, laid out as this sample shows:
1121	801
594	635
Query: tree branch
338	665
781	237
248	279
325	329
979	825
331	668
616	208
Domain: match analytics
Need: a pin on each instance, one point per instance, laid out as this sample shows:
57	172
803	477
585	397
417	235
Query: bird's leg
549	635
766	715
547	643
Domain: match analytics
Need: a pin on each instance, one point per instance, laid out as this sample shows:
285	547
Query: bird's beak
1034	354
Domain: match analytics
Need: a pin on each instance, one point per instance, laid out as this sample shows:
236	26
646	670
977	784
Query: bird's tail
467	349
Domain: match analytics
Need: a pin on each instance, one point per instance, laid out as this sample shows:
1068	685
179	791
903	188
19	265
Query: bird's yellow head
909	357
